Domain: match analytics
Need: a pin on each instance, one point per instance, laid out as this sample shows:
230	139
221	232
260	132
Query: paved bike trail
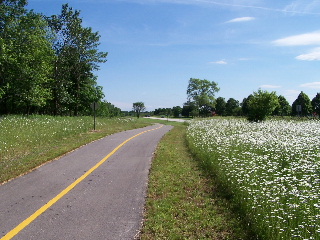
106	204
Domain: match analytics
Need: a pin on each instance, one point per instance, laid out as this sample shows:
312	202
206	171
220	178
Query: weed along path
95	192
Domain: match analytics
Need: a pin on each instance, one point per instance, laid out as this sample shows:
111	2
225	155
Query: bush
261	105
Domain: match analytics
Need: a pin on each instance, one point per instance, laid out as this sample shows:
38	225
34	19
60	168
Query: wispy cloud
219	62
241	19
312	85
294	8
312	38
303	6
270	86
313	55
244	59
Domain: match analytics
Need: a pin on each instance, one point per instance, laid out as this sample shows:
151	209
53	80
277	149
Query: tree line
47	63
256	107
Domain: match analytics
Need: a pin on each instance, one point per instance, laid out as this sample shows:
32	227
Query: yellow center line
45	207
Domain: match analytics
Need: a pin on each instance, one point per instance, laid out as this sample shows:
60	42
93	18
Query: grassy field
183	202
27	142
271	171
242	181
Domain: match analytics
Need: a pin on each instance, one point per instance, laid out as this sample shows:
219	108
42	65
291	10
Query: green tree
188	108
47	63
316	104
25	62
304	101
163	111
138	107
244	105
202	93
107	109
283	108
77	57
221	106
10	13
35	64
232	107
261	105
168	112
177	110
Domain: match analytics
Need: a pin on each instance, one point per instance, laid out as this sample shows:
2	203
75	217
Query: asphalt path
169	119
95	192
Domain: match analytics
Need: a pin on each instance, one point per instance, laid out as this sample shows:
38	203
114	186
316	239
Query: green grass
27	142
183	202
183	199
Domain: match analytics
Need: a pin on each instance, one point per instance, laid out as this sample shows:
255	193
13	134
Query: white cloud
312	38
311	56
241	19
311	85
219	62
270	86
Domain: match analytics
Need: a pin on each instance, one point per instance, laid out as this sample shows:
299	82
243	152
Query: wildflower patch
272	170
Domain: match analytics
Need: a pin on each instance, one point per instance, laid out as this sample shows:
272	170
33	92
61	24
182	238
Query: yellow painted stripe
41	210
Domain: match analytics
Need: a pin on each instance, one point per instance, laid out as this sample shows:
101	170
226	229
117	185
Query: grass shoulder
28	142
182	202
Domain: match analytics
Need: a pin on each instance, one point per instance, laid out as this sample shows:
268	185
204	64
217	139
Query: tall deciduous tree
221	106
138	107
26	59
244	105
77	56
232	107
47	61
202	93
261	105
107	109
10	13
177	110
189	109
283	108
35	63
304	101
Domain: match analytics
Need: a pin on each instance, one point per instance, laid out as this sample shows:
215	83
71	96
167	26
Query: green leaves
304	101
316	104
202	92
26	59
283	108
138	107
77	57
47	63
261	105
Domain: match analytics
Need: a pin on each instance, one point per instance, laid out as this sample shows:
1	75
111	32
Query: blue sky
156	46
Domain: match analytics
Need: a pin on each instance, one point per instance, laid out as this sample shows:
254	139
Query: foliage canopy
201	93
261	105
304	101
316	104
47	63
138	107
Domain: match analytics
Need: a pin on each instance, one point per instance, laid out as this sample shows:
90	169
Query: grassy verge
27	142
182	201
